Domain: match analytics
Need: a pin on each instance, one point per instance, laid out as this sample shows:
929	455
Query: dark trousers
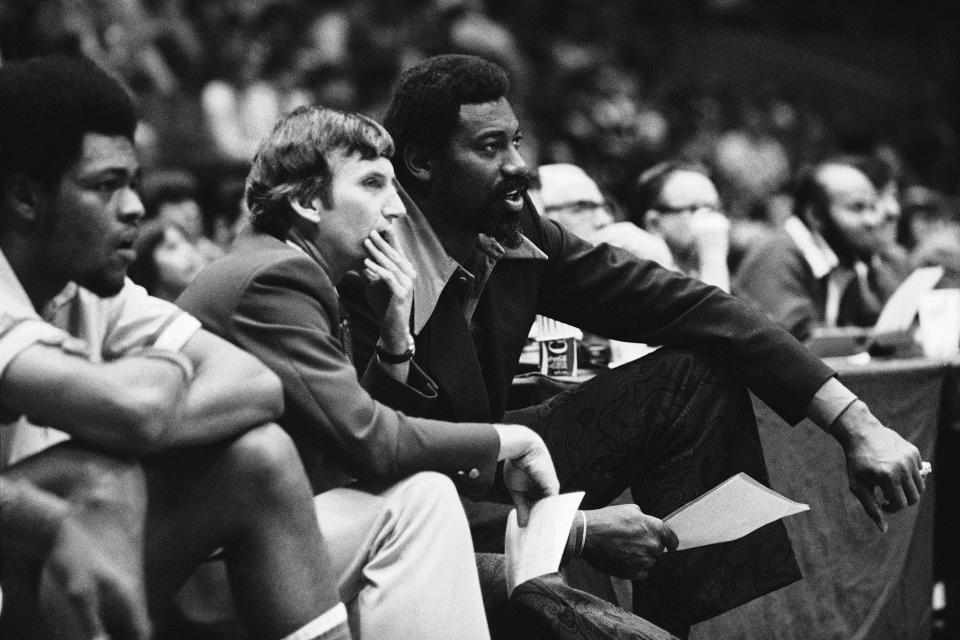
668	427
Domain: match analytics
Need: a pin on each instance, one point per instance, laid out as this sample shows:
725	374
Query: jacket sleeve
287	317
607	291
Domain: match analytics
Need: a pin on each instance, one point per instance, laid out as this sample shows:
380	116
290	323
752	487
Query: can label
558	357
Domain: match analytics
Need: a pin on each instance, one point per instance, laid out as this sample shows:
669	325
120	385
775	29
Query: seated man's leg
668	426
405	559
251	497
102	538
547	608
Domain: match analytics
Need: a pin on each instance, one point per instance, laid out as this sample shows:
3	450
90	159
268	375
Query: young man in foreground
170	456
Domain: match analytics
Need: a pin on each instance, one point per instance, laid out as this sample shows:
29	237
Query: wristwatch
397	358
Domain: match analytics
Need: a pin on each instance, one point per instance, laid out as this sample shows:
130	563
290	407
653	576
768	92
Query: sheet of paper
900	310
729	511
536	549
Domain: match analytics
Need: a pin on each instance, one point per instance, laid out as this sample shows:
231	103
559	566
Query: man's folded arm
125	405
231	392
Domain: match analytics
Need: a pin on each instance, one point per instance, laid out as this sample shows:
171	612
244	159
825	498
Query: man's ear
652	221
308	211
418	163
23	196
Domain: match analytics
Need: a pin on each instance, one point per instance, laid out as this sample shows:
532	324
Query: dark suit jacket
278	303
600	289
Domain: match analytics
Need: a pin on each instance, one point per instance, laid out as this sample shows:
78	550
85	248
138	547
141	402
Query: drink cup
939	332
558	357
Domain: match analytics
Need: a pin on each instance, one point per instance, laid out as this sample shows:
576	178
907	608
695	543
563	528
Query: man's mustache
520	183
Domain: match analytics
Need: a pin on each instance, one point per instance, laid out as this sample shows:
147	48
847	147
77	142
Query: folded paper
729	511
536	549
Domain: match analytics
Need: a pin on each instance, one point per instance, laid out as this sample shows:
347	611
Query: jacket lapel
453	362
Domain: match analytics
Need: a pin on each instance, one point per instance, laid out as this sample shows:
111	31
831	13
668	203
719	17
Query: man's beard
846	251
506	229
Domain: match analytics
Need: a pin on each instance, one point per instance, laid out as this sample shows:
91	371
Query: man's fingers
870	505
911	488
919	481
893	492
386	275
385	249
522	503
668	537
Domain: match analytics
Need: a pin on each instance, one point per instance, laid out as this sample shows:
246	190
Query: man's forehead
354	164
689	186
99	152
843	182
494	115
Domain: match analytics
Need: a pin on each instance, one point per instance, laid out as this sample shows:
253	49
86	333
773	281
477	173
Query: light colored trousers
403	558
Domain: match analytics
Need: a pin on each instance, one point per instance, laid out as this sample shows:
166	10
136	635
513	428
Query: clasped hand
625	542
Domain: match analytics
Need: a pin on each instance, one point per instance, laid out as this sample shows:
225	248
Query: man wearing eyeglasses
678	202
570	197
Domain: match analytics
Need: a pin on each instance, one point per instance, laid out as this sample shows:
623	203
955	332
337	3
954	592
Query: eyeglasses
690	208
580	206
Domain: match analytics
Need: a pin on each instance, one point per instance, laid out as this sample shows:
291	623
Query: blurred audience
167	261
678	202
573	199
819	269
609	86
930	228
171	195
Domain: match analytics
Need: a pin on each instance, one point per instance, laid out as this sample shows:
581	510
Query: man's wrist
829	402
848	425
389	356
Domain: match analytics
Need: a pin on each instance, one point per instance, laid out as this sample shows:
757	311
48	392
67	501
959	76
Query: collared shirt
104	328
435	268
823	263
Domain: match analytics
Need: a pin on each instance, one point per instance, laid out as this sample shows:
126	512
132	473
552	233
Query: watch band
396	358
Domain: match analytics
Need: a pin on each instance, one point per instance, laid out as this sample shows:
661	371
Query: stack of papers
731	510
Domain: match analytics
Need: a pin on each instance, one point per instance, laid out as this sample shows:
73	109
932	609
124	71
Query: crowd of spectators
600	85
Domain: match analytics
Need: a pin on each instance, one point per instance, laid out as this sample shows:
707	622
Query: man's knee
433	494
684	363
264	464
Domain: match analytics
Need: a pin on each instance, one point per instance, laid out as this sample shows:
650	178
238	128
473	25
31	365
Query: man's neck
29	267
458	241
